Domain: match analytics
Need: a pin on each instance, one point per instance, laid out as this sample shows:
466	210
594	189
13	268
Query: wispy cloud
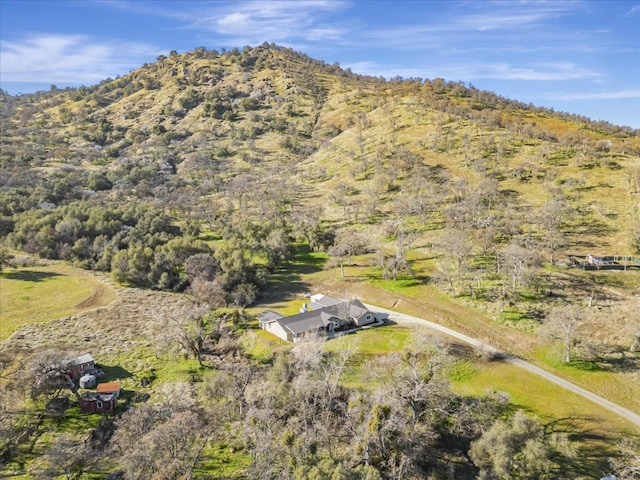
69	58
633	11
551	72
480	23
511	19
247	22
559	71
272	21
623	94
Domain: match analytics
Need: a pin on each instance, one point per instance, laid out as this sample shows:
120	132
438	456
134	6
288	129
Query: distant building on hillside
323	315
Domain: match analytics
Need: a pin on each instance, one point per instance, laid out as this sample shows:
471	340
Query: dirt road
402	319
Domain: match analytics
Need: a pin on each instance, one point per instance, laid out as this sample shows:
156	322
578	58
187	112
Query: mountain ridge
203	119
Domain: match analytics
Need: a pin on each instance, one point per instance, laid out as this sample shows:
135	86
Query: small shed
110	388
94	402
80	364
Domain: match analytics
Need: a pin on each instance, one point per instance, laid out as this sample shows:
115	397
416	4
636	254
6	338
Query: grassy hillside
39	293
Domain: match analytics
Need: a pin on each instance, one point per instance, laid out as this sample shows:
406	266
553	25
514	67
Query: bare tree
552	215
152	442
457	250
49	374
209	292
564	324
5	257
66	457
634	329
347	244
626	465
515	262
415	378
190	333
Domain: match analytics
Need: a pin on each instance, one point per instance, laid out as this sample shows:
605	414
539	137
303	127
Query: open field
35	294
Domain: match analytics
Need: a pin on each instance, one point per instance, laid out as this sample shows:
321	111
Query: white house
323	315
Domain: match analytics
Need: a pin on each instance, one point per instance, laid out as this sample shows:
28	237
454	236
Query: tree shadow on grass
30	275
115	372
595	450
287	282
616	359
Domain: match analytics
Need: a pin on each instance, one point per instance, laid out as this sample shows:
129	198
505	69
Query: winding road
402	319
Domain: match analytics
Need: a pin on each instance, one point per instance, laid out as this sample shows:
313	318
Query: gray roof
319	301
304	325
357	309
315	319
269	316
86	358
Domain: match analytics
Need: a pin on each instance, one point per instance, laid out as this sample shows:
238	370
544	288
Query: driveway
402	319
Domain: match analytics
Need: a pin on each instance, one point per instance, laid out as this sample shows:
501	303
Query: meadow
43	292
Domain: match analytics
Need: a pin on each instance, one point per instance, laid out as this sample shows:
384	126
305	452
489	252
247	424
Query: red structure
94	402
81	364
109	387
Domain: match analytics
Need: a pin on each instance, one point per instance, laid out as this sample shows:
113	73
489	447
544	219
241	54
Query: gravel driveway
402	319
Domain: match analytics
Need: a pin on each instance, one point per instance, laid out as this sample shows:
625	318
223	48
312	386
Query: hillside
268	143
235	176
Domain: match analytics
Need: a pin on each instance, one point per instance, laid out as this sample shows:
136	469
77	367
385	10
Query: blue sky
577	56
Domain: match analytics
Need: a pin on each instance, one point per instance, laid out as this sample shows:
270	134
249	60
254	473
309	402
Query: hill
266	147
222	174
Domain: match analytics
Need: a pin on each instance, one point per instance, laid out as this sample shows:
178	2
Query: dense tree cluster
296	420
140	246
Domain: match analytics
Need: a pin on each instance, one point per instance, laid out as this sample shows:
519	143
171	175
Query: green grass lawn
593	376
223	461
35	294
422	299
595	428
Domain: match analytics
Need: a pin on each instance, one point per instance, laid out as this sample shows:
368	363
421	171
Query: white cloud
324	33
477	23
273	21
622	94
231	23
545	72
634	10
69	59
473	71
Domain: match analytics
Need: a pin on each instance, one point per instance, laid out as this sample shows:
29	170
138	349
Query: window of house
99	404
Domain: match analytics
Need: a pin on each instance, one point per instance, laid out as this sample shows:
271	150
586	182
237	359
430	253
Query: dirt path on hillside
98	292
403	319
135	323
